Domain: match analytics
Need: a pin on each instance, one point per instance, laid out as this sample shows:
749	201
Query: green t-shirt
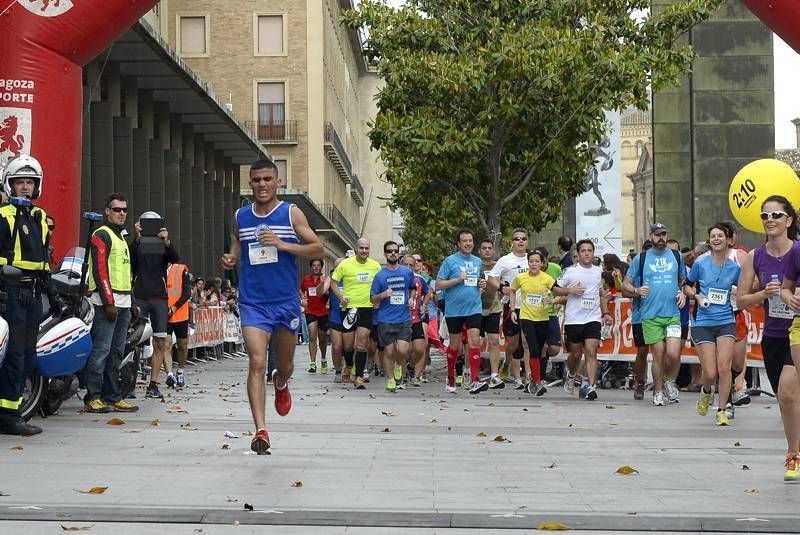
357	280
554	270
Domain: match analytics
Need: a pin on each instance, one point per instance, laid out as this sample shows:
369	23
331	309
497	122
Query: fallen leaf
132	430
570	425
247	433
745	467
387	413
231	434
226	446
610	407
552	466
155	422
17	448
481	434
386	430
248	507
552	526
632	513
115	421
751	491
76	528
524	410
449	428
737	444
466	410
371	396
297	484
627	470
233	499
434	420
93	490
491	404
176	408
501	438
188	426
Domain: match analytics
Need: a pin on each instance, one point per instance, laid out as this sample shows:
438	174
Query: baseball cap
658	228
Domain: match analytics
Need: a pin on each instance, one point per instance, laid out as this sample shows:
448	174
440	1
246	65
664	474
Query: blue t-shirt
715	284
661	275
334	307
395	308
433	311
463	299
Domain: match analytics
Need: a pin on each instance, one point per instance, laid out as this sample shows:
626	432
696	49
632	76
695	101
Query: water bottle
774	278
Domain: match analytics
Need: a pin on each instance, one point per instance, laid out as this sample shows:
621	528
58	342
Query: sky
787	87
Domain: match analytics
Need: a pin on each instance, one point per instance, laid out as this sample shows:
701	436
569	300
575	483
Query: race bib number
588	302
312	292
262	254
779	309
362	277
717	296
471	280
673	331
533	300
398	298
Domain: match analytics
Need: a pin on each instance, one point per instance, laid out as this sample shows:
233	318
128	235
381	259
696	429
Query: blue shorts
271	317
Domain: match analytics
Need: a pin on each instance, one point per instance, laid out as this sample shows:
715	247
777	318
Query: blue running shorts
270	317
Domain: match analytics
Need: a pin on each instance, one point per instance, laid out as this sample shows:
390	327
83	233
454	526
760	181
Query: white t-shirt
581	309
507	268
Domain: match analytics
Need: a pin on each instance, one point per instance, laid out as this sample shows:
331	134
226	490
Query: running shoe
518	384
402	385
478	387
123	406
260	442
398	373
638	392
365	377
792	472
346	374
583	390
703	402
180	378
97	405
416	381
459	380
591	393
671	389
466	381
730	411
658	399
536	389
283	399
569	383
722	418
170	382
740	397
496	383
153	392
450	389
391	385
323	367
312	367
337	377
359	383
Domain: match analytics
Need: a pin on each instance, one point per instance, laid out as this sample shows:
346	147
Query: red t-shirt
316	303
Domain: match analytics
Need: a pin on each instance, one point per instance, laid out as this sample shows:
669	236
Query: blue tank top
267	275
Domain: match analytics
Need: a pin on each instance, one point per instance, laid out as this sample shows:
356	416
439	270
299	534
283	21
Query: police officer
24	241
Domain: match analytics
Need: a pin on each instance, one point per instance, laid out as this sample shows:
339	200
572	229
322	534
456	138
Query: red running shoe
283	399
260	442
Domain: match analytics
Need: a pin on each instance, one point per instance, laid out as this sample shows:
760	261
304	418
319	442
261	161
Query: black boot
18	427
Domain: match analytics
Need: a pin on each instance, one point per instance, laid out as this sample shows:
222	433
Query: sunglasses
391	251
773	215
119	210
519	239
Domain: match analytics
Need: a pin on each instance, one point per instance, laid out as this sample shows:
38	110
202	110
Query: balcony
357	191
334	151
274	133
340	223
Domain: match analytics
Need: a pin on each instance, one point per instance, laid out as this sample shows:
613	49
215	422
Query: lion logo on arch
10	140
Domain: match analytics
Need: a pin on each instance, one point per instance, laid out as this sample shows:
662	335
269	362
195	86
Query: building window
627	150
283	172
193	35
270	35
271	110
639	148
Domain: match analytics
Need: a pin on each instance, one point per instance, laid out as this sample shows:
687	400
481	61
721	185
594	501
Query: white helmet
23	166
150	215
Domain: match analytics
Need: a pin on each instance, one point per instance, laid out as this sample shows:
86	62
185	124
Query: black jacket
150	272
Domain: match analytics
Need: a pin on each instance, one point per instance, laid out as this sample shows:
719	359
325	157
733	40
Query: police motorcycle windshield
67	278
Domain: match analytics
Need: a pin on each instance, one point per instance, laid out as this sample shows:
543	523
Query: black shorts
322	321
535	333
335	327
389	333
553	332
578	334
418	331
364	319
373	333
684	332
454	325
776	355
181	329
490	324
509	327
638	335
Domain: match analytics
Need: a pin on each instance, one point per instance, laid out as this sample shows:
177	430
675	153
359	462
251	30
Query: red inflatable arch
43	46
782	16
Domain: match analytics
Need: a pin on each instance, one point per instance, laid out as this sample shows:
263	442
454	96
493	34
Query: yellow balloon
754	183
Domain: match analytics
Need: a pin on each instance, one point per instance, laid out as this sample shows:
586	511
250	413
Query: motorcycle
137	350
64	342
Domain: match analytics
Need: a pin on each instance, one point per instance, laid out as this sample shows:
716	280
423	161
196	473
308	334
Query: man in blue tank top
266	239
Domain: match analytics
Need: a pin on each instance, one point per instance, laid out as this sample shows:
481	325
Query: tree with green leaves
490	108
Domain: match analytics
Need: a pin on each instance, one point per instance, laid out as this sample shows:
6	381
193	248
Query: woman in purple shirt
760	283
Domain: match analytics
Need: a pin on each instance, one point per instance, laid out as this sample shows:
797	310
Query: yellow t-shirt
533	291
357	279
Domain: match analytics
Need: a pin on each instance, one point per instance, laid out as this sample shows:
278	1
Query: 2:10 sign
746	194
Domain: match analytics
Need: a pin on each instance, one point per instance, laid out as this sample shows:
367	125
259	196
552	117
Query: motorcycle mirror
92	216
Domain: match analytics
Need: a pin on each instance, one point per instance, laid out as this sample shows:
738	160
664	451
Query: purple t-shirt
765	266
